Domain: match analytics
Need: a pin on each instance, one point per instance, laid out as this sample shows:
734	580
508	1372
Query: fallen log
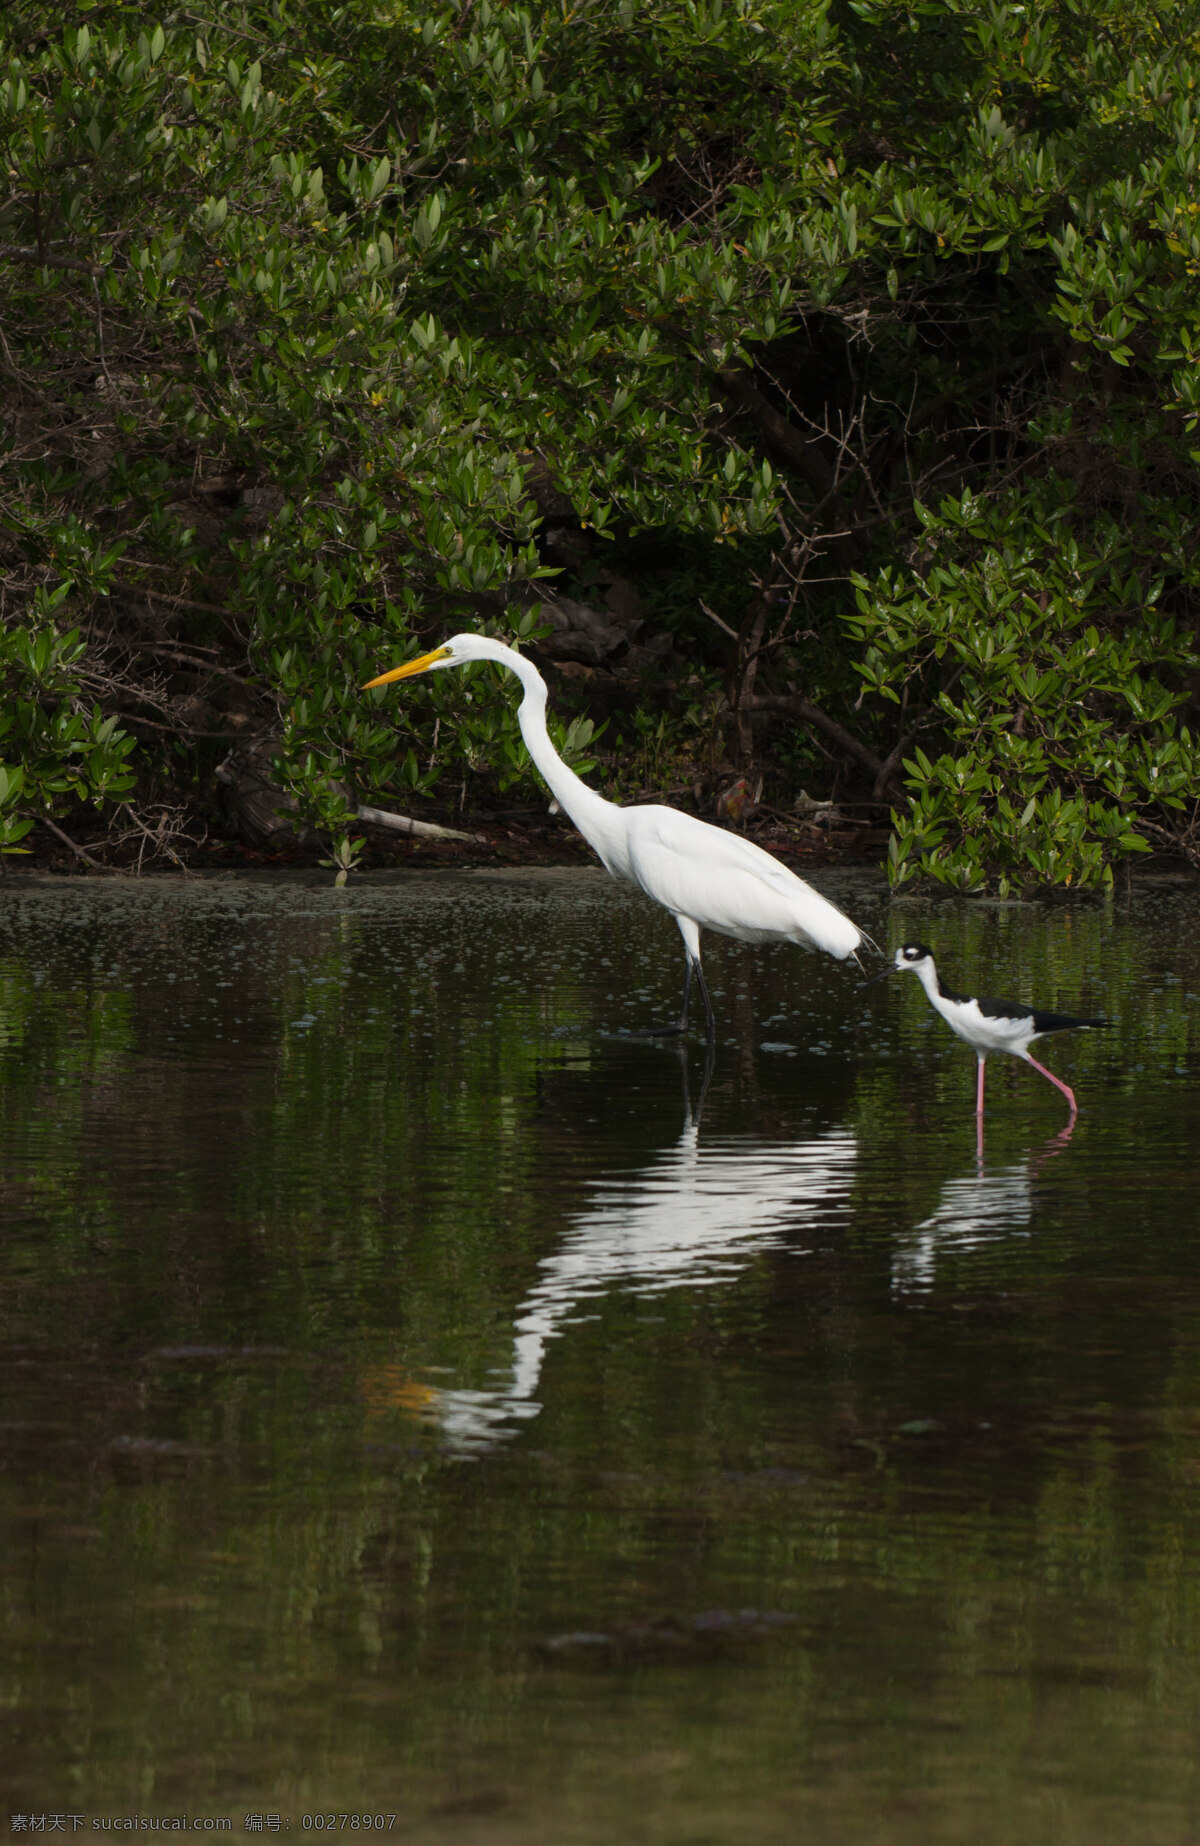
400	823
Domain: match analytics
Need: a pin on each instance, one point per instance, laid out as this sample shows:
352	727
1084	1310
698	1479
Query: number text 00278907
347	1823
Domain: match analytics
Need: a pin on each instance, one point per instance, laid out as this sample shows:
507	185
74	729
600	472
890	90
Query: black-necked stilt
988	1025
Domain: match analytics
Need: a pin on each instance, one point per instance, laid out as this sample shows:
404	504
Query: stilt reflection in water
976	1209
694	1217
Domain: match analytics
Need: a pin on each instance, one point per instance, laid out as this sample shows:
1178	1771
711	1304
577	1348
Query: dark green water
406	1412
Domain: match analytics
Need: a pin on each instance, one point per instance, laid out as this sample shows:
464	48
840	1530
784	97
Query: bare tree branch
42	259
79	851
793	705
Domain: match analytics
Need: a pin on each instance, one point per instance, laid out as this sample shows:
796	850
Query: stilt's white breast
986	1031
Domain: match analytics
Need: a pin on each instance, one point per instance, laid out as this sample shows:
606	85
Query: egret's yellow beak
419	665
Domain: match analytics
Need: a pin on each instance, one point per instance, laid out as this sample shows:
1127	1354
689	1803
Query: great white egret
988	1025
705	877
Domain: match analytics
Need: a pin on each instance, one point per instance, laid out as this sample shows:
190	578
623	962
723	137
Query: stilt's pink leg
1056	1081
979	1091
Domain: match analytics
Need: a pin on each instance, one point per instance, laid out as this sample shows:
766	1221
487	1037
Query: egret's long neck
590	812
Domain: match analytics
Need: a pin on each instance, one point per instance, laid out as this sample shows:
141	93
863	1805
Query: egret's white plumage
706	878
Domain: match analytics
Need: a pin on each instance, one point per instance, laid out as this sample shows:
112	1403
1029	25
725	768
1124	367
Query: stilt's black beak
876	978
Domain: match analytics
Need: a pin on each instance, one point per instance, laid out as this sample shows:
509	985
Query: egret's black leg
681	1025
690	968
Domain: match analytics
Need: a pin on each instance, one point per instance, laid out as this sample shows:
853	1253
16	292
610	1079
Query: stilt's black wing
1061	1022
1003	1009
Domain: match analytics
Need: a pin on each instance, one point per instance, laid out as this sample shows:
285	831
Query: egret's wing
726	883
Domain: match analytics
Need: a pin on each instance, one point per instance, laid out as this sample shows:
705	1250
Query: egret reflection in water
974	1209
694	1217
